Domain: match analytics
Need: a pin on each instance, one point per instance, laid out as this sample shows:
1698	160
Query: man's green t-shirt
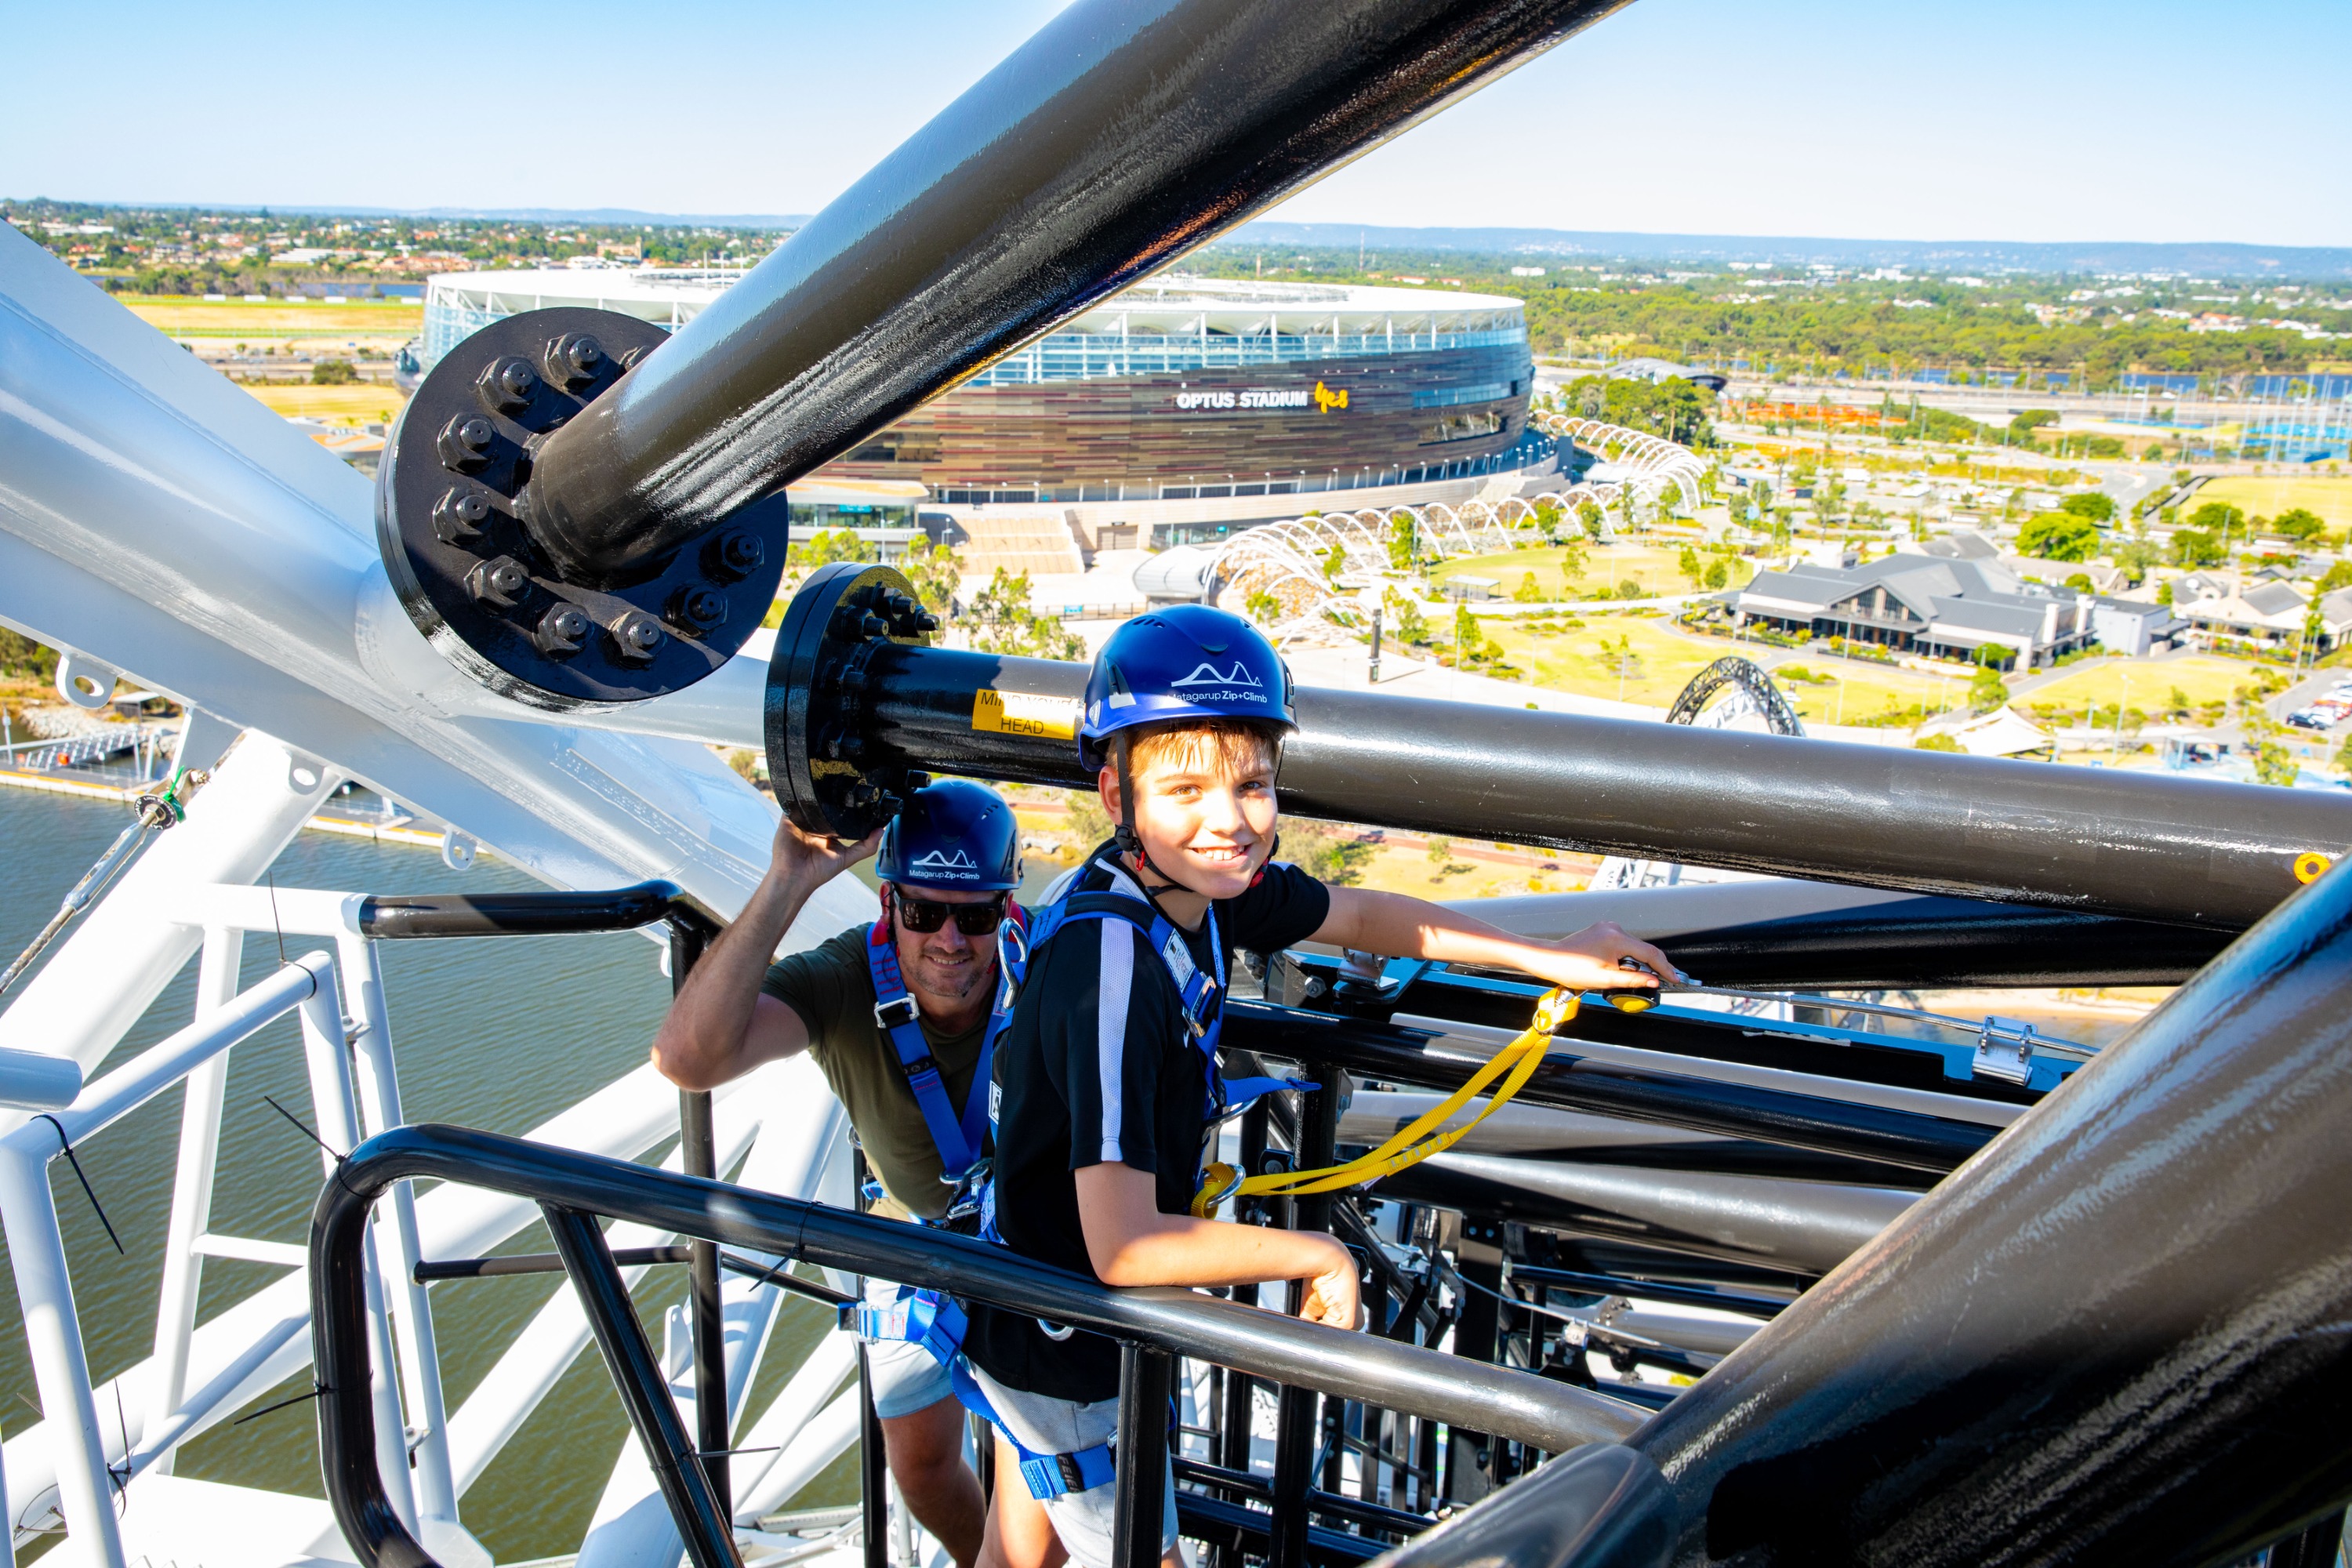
831	988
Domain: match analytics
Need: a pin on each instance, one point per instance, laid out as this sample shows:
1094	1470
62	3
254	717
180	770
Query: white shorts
1085	1520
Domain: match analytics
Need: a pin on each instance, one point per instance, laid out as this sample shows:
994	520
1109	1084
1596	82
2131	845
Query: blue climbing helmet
953	833
1187	661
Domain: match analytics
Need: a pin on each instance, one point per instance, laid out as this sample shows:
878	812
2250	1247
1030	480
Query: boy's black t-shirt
1097	1066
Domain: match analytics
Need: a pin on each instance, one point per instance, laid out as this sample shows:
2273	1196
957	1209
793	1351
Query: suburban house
2270	614
2133	626
1943	607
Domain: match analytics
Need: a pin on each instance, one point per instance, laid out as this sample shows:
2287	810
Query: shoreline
321	822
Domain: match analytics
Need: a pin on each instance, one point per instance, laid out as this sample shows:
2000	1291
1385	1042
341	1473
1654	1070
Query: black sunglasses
924	916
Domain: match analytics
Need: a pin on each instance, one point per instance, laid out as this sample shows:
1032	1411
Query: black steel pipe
851	710
1387	1052
1923	943
1612	1285
700	1515
2117	1337
1122	135
1268	1345
1140	1454
1803	1228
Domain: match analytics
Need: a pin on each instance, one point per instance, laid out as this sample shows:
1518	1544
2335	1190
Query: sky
2107	120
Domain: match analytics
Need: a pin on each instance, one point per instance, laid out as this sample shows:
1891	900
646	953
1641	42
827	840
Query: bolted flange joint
475	572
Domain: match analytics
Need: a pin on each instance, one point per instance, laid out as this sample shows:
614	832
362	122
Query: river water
498	1034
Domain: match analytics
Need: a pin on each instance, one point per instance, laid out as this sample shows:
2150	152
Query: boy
1106	1075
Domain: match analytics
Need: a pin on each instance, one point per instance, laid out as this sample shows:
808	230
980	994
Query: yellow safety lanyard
1419	1139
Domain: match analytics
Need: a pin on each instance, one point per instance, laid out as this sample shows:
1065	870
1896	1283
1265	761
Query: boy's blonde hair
1229	744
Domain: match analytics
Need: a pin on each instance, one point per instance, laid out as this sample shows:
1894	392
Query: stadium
1178	389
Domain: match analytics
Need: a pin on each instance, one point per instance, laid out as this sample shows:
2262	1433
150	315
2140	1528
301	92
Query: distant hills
2193	259
615	216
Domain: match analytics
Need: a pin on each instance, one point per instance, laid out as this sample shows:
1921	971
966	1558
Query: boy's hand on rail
1589	959
1330	1296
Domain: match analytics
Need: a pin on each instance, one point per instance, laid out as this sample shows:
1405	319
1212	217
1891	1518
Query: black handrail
554	912
1519	1405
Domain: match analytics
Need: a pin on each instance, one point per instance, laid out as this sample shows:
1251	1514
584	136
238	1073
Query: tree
1590	514
1261	607
2193	548
2344	757
1405	614
1440	849
2339	575
2134	558
2299	524
1002	622
1528	592
2059	536
2023	425
1469	637
935	573
1719	574
1573	557
1330	855
23	658
1403	542
333	373
2096	505
1690	566
2164	593
1986	690
1630	588
2218	518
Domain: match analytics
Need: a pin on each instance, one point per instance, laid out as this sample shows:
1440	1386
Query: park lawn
362	404
2261	495
173	314
1656	570
1864	691
1574	658
2201	678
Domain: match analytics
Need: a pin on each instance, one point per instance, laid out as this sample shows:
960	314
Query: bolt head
738	554
695	608
458	517
507	384
572	359
563	630
464	442
638	635
499	580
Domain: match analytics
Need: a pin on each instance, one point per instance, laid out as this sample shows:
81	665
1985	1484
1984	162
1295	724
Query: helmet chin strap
1125	840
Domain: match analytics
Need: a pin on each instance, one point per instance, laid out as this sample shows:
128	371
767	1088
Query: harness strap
959	1139
1418	1140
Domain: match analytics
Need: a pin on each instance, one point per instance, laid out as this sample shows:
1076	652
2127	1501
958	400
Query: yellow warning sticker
1022	713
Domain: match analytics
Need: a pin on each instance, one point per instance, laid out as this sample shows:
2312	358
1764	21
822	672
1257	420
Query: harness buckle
897	1013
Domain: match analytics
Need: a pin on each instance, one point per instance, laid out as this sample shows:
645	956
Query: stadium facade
1178	389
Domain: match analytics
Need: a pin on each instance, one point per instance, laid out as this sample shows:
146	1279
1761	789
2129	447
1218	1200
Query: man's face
1206	813
945	963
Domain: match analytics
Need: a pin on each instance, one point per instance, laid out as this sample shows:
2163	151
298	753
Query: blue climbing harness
936	1322
959	1139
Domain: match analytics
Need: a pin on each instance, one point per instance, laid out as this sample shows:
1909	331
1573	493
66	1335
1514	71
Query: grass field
2199	677
336	404
2264	496
173	314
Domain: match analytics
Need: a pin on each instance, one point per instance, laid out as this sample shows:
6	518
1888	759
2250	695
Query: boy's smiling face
1204	806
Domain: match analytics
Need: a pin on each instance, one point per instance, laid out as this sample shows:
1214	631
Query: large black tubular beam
1374	1050
1925	942
2117	1337
1285	1350
1122	135
850	710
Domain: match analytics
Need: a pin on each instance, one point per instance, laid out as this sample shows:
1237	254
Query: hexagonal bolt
459	516
571	359
499	580
697	609
464	442
506	384
870	625
562	631
734	555
638	635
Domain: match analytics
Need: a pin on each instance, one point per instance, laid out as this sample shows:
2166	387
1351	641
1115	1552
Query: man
896	1017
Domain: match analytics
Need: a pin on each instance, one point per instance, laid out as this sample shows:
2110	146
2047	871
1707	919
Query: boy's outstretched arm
1130	1242
1401	926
